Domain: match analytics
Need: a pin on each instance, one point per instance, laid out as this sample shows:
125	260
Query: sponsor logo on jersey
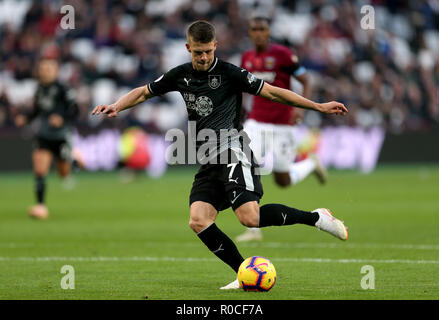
203	106
189	99
267	76
214	81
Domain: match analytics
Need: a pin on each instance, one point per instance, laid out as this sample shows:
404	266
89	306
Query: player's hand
110	110
55	120
333	107
20	120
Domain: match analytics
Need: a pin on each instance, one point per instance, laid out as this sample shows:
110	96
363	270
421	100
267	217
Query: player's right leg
202	222
206	199
261	137
41	159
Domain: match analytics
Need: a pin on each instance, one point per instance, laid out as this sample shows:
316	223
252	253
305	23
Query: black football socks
279	215
40	188
221	245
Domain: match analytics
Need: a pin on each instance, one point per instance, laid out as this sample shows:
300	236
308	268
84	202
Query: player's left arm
304	81
292	99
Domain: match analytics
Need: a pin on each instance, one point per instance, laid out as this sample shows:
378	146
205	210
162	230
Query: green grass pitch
132	240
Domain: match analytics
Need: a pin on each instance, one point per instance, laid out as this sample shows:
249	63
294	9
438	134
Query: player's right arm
129	100
162	85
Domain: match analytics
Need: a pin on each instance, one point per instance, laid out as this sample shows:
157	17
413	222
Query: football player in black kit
55	109
212	90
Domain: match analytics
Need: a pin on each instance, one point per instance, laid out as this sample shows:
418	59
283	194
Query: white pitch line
322	245
347	245
189	259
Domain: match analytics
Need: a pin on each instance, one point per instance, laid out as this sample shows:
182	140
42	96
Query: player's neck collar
213	64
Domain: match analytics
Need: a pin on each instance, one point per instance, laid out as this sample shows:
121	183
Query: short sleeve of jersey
165	83
245	81
292	64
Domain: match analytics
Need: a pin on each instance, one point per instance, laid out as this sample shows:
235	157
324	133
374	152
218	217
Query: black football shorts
61	149
227	185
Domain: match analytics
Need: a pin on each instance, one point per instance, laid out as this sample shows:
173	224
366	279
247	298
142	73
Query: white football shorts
273	145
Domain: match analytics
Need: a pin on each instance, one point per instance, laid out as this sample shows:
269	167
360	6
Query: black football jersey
214	97
49	99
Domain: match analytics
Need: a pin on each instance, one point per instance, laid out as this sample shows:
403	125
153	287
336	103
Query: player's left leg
274	214
41	160
251	215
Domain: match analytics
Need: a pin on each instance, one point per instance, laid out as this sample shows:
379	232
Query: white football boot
330	224
39	211
232	285
251	234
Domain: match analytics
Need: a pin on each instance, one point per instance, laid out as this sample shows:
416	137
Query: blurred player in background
55	109
212	90
275	64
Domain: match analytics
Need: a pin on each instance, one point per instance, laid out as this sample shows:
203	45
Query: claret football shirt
275	65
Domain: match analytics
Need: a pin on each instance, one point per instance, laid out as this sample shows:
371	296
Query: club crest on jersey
214	81
203	106
294	58
269	62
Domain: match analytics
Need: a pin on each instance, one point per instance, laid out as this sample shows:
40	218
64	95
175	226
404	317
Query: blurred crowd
388	76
